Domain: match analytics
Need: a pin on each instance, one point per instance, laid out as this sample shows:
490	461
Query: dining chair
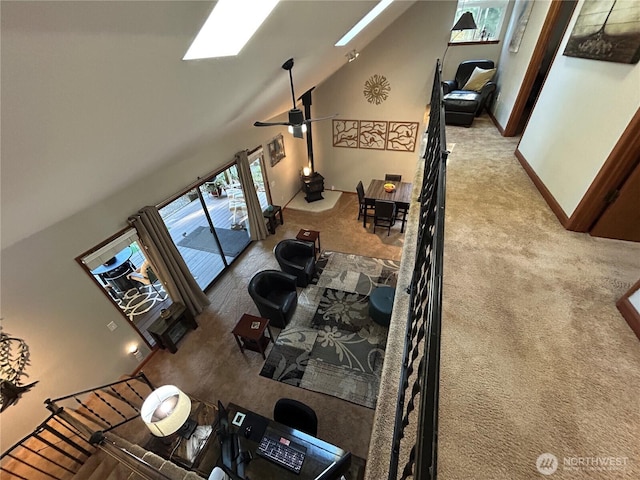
392	177
385	215
364	206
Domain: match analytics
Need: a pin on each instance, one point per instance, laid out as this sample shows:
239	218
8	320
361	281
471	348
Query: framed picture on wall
608	31
402	136
373	134
345	133
276	150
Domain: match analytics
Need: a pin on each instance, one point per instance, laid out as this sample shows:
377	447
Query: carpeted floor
331	345
535	357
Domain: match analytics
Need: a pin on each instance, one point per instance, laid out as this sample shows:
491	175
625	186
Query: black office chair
385	215
364	206
295	414
391	177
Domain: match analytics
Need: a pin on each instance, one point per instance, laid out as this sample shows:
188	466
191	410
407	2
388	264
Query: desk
401	196
320	454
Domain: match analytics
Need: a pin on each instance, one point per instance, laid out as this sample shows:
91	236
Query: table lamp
166	411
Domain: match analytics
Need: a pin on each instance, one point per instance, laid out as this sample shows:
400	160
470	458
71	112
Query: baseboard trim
628	311
496	123
544	191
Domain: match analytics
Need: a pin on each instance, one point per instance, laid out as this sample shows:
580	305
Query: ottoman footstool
461	107
381	305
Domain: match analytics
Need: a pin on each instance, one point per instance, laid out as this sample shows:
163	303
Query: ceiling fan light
304	128
290	129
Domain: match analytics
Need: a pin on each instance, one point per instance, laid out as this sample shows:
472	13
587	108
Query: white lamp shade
165	410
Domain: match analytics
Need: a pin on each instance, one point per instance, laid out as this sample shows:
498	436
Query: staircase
78	440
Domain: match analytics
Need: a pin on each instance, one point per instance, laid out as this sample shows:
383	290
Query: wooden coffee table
249	333
310	236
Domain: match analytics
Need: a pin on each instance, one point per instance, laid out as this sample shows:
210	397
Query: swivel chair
298	258
275	295
295	414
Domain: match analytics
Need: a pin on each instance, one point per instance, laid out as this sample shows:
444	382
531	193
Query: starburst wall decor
376	89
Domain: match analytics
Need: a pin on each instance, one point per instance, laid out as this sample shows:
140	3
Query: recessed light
366	20
229	27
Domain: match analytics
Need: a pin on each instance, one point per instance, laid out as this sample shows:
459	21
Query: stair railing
61	444
64	452
419	384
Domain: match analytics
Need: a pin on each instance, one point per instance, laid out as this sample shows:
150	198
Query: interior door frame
511	128
614	172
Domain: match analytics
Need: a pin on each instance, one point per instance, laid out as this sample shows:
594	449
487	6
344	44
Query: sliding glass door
209	225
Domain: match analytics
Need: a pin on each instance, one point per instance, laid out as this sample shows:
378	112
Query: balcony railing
416	425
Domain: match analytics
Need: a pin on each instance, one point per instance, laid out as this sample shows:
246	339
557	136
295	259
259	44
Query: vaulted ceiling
94	94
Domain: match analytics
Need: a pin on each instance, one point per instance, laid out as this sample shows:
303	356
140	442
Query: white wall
581	112
50	302
513	66
405	54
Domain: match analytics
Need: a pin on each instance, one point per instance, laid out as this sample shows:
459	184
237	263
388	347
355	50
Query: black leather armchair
462	106
298	258
275	295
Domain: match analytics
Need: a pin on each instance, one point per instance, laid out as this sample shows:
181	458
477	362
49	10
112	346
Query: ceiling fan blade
309	120
269	124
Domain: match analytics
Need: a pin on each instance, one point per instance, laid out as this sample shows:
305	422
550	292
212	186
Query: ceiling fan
297	123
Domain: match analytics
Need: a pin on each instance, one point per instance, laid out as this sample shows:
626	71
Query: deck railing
421	363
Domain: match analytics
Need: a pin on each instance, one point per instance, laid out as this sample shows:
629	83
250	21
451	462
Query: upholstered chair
298	258
274	293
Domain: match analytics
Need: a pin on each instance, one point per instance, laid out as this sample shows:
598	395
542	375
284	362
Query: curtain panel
257	226
167	261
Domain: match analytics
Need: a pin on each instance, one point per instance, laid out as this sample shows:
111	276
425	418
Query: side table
270	214
176	449
249	333
310	236
171	326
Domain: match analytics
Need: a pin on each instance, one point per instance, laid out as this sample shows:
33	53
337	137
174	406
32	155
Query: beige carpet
535	357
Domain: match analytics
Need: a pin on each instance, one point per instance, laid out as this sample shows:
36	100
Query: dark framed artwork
276	150
607	30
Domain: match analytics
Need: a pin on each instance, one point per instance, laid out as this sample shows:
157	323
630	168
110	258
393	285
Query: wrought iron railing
417	411
60	445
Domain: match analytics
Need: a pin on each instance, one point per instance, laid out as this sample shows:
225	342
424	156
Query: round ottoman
381	304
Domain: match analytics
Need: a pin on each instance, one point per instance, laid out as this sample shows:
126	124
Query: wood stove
313	186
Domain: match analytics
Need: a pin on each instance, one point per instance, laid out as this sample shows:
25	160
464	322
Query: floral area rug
331	345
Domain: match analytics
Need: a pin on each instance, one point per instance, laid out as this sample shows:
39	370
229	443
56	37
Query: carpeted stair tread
97	467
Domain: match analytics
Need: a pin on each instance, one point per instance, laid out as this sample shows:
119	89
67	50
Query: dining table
401	196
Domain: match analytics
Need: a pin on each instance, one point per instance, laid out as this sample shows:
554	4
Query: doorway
555	25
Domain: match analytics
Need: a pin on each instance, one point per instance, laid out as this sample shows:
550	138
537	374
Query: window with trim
488	15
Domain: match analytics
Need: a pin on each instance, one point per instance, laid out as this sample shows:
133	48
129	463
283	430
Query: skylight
229	27
366	20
